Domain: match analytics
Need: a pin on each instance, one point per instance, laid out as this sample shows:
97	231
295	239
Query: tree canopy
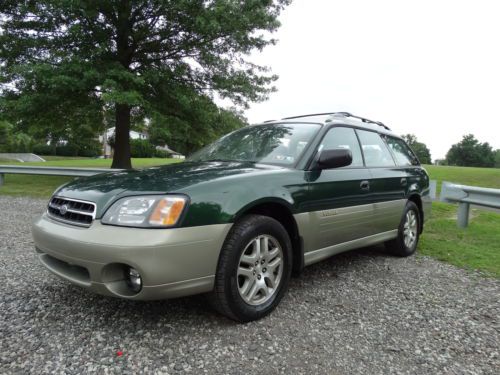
420	149
67	62
469	152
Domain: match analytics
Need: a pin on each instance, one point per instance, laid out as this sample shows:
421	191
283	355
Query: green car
240	216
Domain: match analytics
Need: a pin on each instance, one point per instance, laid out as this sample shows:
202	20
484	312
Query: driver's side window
340	137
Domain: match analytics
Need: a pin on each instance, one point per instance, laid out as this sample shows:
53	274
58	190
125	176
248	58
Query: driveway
363	312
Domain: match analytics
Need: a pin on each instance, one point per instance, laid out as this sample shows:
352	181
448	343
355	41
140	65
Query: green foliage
84	141
85	148
69	63
161	154
198	123
469	152
12	141
67	150
141	148
497	158
5	135
44	149
21	142
420	149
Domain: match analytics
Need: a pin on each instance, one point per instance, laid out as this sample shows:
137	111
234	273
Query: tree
469	152
420	149
5	135
497	158
196	125
65	61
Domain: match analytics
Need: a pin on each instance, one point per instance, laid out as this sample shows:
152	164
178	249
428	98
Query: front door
339	203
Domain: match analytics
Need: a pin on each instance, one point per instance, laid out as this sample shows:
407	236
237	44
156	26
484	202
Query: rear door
339	206
416	179
388	184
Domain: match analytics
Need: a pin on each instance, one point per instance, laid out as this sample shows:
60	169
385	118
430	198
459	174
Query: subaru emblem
63	209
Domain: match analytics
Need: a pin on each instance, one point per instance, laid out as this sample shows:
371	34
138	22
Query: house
109	133
108	151
170	152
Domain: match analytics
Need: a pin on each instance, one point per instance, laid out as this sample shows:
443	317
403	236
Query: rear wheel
408	232
254	269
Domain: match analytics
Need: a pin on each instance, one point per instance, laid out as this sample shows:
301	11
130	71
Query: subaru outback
240	216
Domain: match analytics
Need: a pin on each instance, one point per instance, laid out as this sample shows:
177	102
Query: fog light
134	280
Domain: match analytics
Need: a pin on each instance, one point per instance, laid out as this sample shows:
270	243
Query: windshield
280	144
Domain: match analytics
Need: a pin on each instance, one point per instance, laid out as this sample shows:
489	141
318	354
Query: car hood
103	189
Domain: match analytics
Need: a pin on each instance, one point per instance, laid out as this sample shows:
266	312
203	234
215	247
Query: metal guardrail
467	195
52	171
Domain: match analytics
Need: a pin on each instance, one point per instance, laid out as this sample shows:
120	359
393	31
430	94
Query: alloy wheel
260	270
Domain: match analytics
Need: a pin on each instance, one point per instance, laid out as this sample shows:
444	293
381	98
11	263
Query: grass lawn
44	186
475	248
484	177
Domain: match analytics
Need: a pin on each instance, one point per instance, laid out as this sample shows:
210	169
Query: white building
108	152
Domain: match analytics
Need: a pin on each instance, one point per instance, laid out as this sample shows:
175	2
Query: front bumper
172	262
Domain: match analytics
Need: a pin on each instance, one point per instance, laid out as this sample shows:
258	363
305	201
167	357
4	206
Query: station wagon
239	217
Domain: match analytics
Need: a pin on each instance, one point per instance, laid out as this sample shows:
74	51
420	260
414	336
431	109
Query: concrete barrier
23	157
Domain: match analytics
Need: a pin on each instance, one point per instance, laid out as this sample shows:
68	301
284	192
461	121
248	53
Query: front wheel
254	269
405	243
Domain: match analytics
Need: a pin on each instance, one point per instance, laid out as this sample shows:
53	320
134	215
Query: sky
430	68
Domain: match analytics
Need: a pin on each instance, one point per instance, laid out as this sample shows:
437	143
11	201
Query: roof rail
343	114
314	114
365	120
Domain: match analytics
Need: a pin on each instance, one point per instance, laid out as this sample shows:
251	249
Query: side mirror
335	158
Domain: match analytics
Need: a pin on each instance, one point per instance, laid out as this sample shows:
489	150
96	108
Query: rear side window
340	137
375	150
401	152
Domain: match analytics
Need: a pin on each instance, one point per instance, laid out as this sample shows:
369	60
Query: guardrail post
463	215
1	179
433	189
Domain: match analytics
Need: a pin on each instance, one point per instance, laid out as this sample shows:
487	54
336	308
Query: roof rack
343	114
314	114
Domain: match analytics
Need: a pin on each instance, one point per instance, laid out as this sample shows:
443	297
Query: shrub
88	148
5	135
161	154
67	150
20	142
141	148
44	149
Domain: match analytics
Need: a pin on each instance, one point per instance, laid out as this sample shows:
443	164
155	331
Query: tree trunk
121	157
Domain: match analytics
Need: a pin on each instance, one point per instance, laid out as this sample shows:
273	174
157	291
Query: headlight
151	211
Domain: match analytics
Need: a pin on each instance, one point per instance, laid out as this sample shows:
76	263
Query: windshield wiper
223	160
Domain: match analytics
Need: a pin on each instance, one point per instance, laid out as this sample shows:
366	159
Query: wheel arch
417	199
281	211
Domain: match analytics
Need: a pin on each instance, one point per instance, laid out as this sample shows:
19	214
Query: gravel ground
358	313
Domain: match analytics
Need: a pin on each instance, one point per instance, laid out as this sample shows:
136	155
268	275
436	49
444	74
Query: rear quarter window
375	149
402	153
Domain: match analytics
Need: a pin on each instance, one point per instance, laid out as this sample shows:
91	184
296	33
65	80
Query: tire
407	240
244	290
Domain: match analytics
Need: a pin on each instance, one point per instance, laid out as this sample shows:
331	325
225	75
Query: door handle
364	185
404	181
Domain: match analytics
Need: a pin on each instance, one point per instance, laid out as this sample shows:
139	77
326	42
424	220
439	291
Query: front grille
71	211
